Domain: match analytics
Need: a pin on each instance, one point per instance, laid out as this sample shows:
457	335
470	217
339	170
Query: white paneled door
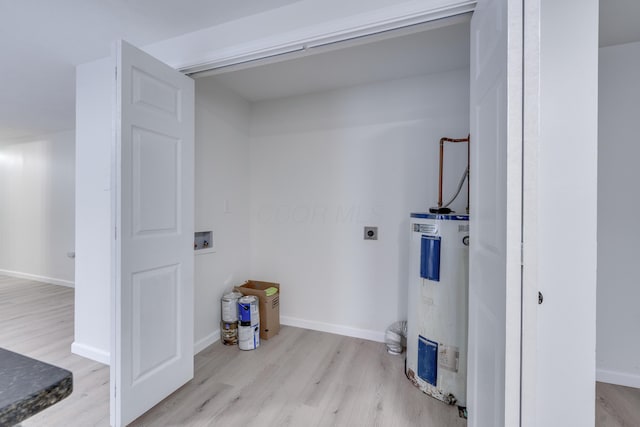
152	298
496	215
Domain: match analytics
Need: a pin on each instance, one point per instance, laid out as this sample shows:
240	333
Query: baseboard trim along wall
618	378
102	356
205	342
35	277
333	328
90	352
305	324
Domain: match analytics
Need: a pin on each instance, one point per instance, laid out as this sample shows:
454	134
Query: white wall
323	166
618	317
94	135
221	202
37	208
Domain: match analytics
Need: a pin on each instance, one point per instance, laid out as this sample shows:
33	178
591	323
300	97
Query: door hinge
116	70
521	254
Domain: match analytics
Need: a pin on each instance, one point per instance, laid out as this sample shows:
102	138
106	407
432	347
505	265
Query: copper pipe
442	141
468	169
440	169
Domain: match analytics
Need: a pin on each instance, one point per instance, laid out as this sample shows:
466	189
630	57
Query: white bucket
248	311
230	307
249	337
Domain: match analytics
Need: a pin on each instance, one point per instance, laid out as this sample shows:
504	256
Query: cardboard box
269	306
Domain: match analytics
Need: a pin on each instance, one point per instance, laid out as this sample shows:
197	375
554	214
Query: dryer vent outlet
371	233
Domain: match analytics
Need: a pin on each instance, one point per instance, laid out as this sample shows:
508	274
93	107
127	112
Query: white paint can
249	337
248	311
230	307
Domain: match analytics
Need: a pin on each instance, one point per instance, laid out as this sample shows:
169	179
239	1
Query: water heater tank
438	305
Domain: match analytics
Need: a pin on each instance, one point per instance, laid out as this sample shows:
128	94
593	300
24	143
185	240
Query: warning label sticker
448	356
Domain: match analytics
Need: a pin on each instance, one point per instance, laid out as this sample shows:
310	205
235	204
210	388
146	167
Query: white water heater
438	306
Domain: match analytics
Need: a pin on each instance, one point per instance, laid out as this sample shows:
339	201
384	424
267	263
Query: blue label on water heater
427	360
430	258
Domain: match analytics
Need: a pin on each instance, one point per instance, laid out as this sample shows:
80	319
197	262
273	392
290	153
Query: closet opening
297	153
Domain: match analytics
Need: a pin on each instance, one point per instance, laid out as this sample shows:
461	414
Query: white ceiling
43	40
432	51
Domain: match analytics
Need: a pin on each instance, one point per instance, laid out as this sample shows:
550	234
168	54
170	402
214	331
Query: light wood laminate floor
298	378
617	406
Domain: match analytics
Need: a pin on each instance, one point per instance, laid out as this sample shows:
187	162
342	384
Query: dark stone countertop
27	386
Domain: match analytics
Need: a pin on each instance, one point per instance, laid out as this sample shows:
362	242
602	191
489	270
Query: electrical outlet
371	233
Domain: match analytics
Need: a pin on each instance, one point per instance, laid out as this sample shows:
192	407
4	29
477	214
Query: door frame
515	329
530	135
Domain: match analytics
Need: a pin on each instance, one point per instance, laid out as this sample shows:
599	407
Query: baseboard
35	277
103	356
348	331
90	352
205	342
618	378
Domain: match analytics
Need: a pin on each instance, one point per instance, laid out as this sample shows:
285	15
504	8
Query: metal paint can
248	311
249	337
229	332
230	307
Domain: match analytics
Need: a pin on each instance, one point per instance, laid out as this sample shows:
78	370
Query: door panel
156	164
155	307
152	339
562	70
495	214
